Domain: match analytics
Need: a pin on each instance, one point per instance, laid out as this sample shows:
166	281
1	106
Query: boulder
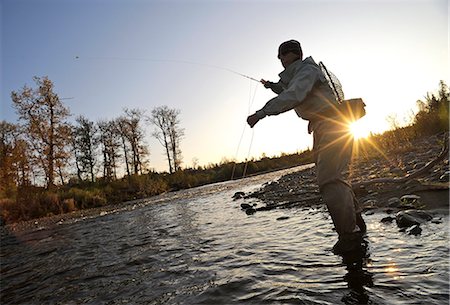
409	218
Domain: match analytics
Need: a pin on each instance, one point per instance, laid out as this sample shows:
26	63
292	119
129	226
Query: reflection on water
198	247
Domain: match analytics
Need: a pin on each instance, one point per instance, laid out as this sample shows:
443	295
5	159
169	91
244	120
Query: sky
104	56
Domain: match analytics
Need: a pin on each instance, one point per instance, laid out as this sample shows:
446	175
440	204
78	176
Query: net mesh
334	82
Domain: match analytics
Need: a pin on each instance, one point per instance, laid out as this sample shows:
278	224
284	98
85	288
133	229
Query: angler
308	88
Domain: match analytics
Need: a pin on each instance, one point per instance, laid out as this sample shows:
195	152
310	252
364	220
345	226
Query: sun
359	129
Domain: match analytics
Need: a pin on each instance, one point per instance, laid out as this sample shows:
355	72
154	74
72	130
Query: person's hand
266	83
252	120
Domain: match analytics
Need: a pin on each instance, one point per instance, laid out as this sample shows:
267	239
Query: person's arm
299	88
275	87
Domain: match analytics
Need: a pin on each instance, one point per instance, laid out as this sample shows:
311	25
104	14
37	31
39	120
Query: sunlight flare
359	129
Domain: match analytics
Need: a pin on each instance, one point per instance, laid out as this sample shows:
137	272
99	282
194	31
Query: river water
198	247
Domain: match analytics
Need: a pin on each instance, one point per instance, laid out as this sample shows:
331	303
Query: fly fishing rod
172	61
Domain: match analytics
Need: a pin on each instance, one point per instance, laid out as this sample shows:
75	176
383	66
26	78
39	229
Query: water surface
198	247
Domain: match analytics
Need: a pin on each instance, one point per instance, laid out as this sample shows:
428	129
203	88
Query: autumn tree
15	166
169	134
44	118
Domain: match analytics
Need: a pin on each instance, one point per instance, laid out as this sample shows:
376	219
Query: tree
169	133
135	136
122	129
44	117
109	139
86	141
15	167
176	133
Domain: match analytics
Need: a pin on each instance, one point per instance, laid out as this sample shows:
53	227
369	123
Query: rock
388	219
445	177
245	206
419	165
394	202
250	211
409	218
283	218
370	204
409	199
414	230
238	195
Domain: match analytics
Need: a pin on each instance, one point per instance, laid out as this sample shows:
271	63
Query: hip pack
350	110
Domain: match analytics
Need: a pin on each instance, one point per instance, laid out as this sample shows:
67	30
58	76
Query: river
198	247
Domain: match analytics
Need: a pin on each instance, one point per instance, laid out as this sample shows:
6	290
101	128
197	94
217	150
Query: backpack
350	109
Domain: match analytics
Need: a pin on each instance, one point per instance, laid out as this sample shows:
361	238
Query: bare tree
44	117
176	133
135	136
169	133
122	128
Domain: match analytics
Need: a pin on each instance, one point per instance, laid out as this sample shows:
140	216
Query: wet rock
418	165
409	218
445	177
370	204
283	218
238	195
388	219
245	206
250	211
394	202
414	230
410	198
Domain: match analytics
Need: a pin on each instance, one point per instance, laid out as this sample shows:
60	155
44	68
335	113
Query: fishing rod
174	61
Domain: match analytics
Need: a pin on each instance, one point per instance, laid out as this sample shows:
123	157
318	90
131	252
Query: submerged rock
238	195
409	218
245	206
388	219
414	230
283	218
250	211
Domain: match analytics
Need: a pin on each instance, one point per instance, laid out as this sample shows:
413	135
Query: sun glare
359	130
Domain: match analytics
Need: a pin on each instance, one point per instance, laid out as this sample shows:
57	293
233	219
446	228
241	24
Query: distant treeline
20	199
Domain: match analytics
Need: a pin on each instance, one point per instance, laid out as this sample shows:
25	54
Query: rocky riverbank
430	190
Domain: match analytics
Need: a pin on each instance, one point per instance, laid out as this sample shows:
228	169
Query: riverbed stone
394	202
238	195
388	219
409	218
245	206
250	211
414	230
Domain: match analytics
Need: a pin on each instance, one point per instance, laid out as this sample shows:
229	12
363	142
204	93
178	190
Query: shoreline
429	192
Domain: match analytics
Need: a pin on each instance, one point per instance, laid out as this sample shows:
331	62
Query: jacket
304	88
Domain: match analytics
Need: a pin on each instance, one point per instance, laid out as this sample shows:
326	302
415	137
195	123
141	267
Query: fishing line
251	98
250	103
169	61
